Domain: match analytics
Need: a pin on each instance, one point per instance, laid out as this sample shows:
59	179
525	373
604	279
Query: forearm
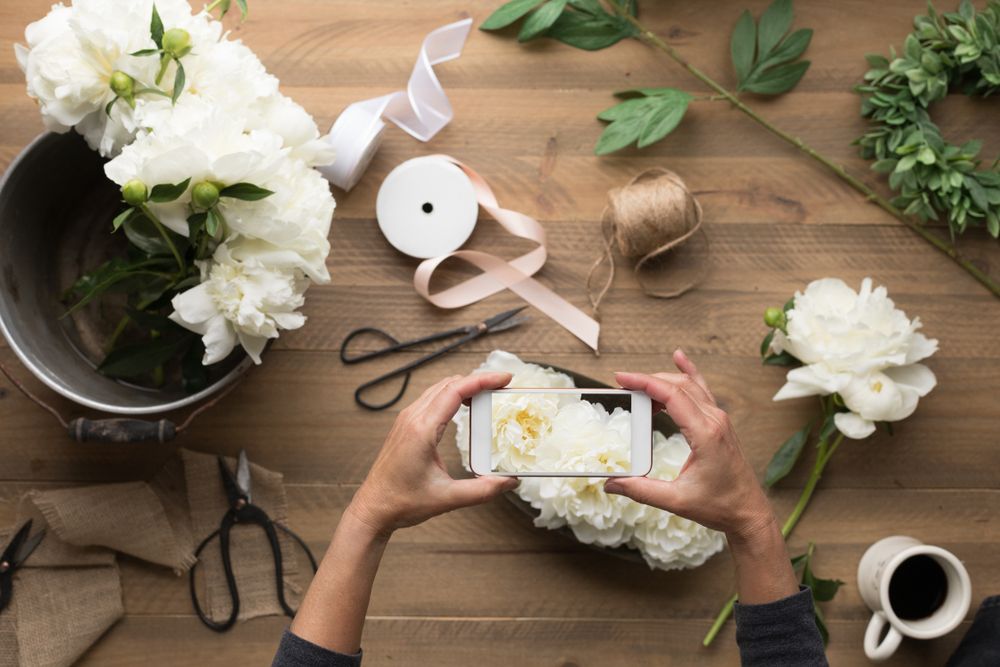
763	569
332	615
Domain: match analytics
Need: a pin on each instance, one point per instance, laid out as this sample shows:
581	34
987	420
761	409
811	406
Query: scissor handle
248	514
394	344
6	587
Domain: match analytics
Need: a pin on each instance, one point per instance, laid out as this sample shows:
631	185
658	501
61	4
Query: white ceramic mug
874	573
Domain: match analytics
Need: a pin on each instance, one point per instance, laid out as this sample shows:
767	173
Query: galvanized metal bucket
55	209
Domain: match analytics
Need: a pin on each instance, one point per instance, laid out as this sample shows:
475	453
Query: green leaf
107	108
777	80
179	80
194	374
618	135
783	359
130	361
156	28
244	10
165	192
152	321
586	32
143	234
828	428
224	8
631	107
784	459
662	121
742	45
774	23
977	193
122	218
508	14
541	19
245	192
791	47
212	222
113	275
825	589
765	345
195	223
144	52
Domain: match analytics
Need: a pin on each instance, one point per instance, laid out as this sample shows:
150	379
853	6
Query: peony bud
774	318
176	42
122	84
134	192
205	195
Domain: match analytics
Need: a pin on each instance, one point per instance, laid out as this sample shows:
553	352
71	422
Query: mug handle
879	652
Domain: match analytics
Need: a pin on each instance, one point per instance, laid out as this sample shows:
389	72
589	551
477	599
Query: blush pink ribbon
499	274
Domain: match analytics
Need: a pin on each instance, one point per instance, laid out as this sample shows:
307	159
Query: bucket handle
118	429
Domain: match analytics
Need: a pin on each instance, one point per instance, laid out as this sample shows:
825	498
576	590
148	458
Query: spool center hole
427	207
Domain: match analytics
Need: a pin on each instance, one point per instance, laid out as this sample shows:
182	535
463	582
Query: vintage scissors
501	322
242	510
13	557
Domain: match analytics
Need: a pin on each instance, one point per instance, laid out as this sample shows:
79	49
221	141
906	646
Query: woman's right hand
716	487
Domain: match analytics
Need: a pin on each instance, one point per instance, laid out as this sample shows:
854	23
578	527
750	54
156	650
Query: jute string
651	215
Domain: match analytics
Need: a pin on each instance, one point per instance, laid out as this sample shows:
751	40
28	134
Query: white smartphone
561	433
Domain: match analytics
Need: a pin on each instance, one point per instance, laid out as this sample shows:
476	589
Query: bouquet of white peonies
225	217
562	431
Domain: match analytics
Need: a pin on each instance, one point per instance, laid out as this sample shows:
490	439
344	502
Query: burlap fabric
65	597
253	565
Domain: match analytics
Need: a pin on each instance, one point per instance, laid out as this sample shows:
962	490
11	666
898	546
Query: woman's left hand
408	482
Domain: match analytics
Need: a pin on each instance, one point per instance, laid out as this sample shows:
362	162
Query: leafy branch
765	54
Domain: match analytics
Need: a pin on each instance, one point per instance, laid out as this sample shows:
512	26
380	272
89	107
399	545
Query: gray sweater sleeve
297	652
777	634
780	634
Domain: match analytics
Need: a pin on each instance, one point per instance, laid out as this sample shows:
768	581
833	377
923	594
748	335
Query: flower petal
853	426
916	376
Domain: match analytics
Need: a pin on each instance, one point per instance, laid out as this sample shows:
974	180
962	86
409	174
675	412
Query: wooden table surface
482	586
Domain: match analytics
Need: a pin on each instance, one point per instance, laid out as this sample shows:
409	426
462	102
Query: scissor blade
494	322
243	474
14	545
28	547
509	324
233	493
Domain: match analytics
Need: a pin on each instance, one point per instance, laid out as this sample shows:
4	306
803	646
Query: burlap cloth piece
253	564
65	598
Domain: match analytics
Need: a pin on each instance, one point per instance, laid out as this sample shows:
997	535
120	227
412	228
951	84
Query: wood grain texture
525	120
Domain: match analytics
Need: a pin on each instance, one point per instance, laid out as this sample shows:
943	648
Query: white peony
582	435
857	345
72	52
240	301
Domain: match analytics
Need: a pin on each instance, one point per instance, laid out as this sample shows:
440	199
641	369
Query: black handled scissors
501	322
13	556
242	510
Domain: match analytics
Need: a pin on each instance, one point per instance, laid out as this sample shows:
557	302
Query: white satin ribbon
422	110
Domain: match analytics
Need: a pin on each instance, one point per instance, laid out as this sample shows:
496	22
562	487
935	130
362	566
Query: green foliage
933	178
584	24
765	57
644	119
769	358
168	192
245	191
823	590
785	458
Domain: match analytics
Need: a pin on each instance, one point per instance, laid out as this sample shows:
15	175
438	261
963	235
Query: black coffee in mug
918	587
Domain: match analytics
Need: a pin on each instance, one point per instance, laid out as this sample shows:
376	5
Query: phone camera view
561	433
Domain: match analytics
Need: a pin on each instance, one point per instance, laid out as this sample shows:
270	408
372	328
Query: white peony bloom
858	345
584	436
244	301
71	54
523	375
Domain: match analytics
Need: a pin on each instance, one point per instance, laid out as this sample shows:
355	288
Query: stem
655	41
210	8
720	620
166	237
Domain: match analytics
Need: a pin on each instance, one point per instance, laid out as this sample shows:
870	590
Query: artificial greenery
932	177
766	61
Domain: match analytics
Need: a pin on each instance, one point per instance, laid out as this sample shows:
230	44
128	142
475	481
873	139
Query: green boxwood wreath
931	177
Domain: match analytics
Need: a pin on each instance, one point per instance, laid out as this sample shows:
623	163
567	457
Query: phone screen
542	432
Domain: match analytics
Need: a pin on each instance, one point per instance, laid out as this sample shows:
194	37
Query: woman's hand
716	487
408	482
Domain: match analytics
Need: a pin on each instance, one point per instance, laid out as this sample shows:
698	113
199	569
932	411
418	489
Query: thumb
476	491
656	492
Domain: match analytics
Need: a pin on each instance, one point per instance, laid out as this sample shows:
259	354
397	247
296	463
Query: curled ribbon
499	274
422	110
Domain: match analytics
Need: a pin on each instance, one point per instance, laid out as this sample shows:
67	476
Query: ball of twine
649	216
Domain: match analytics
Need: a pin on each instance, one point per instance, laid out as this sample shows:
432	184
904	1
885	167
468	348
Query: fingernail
612	487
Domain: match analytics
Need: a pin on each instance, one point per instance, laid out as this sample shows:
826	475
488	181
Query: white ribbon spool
422	110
